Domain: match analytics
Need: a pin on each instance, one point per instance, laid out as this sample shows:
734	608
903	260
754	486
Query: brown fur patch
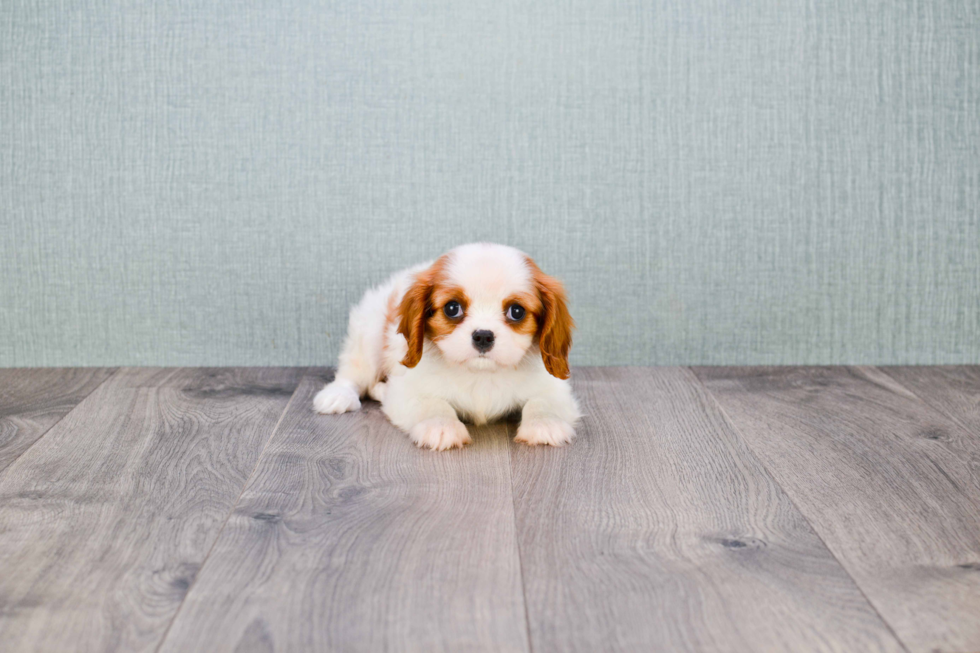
532	315
420	313
439	325
413	311
555	322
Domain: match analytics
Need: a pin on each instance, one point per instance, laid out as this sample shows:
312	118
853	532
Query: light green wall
716	181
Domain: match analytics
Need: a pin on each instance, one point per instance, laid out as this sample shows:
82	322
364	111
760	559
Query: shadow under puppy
476	334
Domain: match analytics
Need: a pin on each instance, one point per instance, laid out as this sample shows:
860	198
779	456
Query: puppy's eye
515	312
453	310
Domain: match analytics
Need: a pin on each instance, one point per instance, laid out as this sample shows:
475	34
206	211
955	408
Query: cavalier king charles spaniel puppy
474	335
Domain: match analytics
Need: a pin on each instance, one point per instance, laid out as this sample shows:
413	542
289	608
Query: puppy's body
476	334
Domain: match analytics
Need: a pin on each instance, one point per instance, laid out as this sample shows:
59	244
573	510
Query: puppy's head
485	306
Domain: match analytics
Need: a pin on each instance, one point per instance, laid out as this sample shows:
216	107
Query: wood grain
657	529
34	400
105	522
953	390
668	525
348	538
888	482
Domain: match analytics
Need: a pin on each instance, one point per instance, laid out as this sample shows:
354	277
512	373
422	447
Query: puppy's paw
338	397
545	431
440	433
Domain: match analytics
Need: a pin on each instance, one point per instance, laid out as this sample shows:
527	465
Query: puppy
474	335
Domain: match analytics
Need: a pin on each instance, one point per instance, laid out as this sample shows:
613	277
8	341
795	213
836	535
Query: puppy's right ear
413	312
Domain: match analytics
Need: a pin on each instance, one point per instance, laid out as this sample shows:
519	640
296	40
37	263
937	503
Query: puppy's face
484	306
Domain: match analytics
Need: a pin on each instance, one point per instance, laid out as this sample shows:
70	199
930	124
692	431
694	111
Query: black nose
483	340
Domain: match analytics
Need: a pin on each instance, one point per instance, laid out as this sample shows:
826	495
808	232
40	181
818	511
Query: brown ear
413	311
556	324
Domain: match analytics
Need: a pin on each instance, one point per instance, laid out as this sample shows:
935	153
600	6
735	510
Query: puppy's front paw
336	398
545	431
440	433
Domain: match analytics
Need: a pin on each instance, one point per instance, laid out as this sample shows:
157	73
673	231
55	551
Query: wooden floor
707	509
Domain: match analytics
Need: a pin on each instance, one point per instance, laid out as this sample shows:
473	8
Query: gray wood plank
34	400
106	520
348	538
953	390
657	529
888	482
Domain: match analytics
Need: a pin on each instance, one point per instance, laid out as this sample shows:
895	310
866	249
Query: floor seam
101	383
738	431
927	403
517	541
217	537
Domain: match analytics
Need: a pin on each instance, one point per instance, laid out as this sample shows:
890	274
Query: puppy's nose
483	340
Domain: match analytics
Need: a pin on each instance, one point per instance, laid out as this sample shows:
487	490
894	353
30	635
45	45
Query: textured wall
717	181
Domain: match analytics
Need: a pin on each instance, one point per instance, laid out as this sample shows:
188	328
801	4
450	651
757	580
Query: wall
717	181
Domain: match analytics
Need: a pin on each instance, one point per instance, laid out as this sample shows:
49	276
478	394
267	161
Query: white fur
453	380
488	274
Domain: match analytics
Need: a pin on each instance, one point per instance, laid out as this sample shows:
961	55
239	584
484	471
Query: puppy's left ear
556	324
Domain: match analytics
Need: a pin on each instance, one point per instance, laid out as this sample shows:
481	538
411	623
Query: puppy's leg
358	368
377	391
549	418
430	421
